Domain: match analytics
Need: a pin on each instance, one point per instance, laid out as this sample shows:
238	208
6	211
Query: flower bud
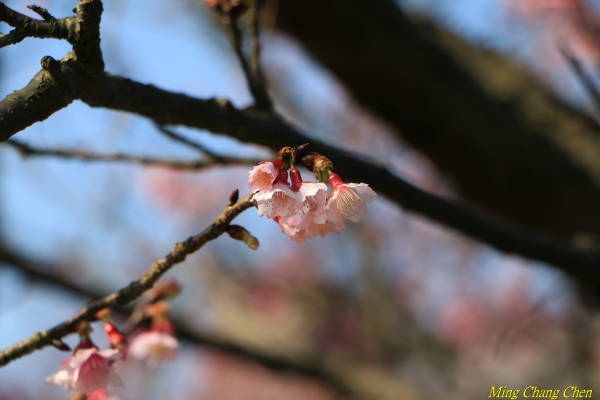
158	311
60	345
166	289
238	232
296	179
117	340
322	168
287	155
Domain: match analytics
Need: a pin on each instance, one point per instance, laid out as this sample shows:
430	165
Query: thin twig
258	79
250	67
26	26
42	12
585	79
182	139
27	150
132	291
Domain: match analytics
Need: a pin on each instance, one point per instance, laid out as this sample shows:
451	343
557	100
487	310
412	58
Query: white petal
312	188
364	191
62	377
111	354
262	176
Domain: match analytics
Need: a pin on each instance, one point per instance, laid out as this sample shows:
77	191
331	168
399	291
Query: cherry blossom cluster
89	371
305	209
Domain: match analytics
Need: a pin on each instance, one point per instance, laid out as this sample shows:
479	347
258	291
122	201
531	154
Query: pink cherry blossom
87	370
154	347
262	177
348	200
300	232
309	218
280	201
312	197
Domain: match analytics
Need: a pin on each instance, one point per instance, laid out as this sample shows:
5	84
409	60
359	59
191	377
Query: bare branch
132	291
27	150
29	27
59	82
250	65
42	12
197	146
86	43
256	74
42	97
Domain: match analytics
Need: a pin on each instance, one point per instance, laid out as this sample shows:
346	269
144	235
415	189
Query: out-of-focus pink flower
533	8
154	347
348	200
87	370
262	176
280	201
100	394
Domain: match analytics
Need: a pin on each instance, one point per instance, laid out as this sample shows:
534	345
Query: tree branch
197	146
59	82
26	150
250	65
132	291
30	27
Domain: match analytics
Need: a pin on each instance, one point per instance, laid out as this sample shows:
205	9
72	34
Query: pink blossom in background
154	347
569	23
87	370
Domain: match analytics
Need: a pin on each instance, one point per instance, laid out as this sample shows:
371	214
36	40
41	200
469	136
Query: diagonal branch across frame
132	291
